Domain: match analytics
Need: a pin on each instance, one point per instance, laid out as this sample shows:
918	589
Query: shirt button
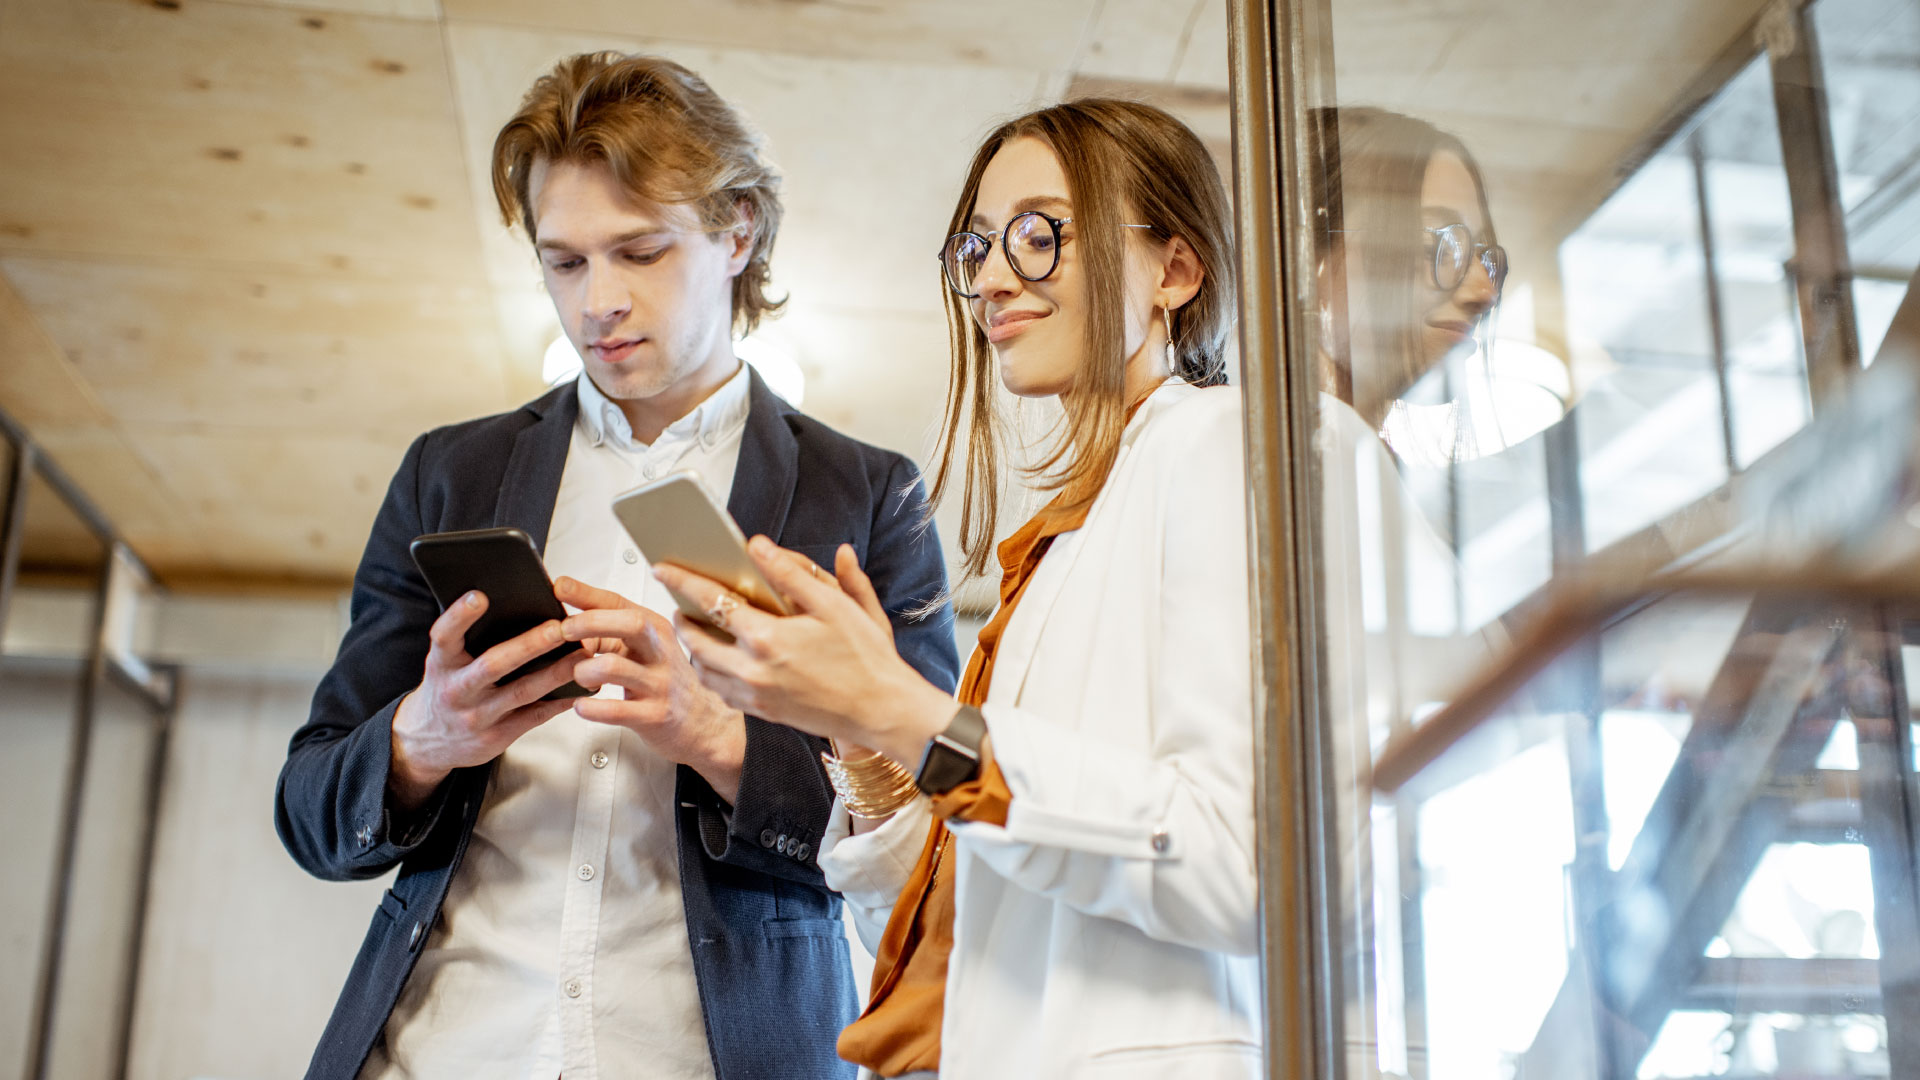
573	988
599	759
1161	841
586	871
630	556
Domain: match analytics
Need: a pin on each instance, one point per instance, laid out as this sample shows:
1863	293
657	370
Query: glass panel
1751	220
42	674
1636	297
1583	830
1870	54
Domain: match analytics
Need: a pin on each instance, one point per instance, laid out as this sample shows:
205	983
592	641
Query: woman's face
1038	329
1449	196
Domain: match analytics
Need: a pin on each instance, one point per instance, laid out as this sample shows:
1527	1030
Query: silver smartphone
676	521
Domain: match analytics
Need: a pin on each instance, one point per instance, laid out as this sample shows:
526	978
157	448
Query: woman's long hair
1376	167
1125	161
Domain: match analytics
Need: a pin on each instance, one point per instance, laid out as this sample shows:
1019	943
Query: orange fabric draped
900	1030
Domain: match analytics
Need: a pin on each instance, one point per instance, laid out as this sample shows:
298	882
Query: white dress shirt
562	947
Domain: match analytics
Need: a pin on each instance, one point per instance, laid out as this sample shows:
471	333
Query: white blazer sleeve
870	870
1160	839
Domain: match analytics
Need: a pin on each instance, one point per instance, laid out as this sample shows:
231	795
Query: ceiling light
561	362
776	365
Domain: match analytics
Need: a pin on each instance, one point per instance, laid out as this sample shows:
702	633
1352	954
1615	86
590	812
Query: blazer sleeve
331	806
779	823
1158	837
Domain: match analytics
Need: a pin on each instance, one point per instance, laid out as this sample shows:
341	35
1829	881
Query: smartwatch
952	757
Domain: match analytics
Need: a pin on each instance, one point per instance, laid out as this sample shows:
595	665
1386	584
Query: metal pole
1272	147
14	537
1716	312
52	950
1822	273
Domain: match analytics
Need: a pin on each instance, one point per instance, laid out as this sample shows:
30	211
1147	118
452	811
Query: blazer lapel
539	457
1016	658
769	464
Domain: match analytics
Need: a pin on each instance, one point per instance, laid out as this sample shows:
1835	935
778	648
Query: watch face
953	757
945	768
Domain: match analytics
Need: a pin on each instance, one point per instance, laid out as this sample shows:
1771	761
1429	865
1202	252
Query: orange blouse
900	1030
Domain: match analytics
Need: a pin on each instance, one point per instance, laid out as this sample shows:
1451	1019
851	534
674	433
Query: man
625	887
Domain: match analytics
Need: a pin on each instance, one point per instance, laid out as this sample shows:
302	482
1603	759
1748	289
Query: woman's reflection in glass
1415	250
1409	277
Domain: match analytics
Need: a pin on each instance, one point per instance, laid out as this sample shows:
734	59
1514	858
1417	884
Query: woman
1078	895
1410	276
1409	279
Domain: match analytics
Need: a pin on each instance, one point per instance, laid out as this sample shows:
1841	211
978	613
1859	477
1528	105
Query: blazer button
766	838
782	846
413	939
1161	841
801	852
365	836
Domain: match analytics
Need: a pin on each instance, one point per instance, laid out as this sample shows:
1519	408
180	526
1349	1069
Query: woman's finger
792	574
705	649
855	583
735	692
736	617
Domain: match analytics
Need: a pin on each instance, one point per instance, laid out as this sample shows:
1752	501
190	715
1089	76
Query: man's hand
456	717
662	700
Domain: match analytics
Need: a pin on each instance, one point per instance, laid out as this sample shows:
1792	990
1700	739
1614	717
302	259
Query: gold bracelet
871	787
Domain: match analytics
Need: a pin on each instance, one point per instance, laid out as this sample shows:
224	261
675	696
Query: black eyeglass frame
989	240
1491	257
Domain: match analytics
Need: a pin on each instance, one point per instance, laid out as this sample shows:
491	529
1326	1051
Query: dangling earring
1173	355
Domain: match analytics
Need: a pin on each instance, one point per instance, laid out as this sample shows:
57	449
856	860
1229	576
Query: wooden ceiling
247	248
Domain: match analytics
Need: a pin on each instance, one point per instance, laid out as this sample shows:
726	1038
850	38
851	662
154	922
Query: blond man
623	885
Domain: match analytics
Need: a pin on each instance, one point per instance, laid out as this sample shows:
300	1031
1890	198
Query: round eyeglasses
1031	241
1454	253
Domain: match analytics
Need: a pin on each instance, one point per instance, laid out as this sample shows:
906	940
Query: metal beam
1269	72
1822	274
1889	812
59	907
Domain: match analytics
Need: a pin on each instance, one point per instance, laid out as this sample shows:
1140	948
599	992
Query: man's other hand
662	700
457	717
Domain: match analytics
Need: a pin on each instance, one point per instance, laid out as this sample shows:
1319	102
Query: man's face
644	294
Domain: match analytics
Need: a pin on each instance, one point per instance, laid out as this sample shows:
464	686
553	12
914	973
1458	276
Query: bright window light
561	362
776	364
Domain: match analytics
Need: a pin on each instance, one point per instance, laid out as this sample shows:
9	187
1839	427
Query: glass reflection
1675	847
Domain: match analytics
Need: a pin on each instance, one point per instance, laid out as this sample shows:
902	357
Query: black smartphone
503	564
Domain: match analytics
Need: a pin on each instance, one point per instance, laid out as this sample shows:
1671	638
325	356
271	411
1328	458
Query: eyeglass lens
1453	254
1032	243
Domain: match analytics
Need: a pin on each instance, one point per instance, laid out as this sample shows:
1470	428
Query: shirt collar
711	421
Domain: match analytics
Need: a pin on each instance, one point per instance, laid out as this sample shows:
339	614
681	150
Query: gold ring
721	609
819	572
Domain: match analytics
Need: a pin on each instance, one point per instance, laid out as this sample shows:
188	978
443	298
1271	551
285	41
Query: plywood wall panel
1003	33
275	505
230	133
218	348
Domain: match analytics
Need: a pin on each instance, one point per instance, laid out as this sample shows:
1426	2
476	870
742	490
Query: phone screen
503	564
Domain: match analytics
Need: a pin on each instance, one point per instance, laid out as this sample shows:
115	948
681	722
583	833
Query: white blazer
1109	928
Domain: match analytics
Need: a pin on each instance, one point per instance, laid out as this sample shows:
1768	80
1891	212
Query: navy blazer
769	954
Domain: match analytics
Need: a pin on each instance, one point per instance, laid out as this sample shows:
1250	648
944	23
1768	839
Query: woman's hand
830	669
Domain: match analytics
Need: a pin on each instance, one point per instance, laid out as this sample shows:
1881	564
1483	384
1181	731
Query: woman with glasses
1056	872
1410	274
